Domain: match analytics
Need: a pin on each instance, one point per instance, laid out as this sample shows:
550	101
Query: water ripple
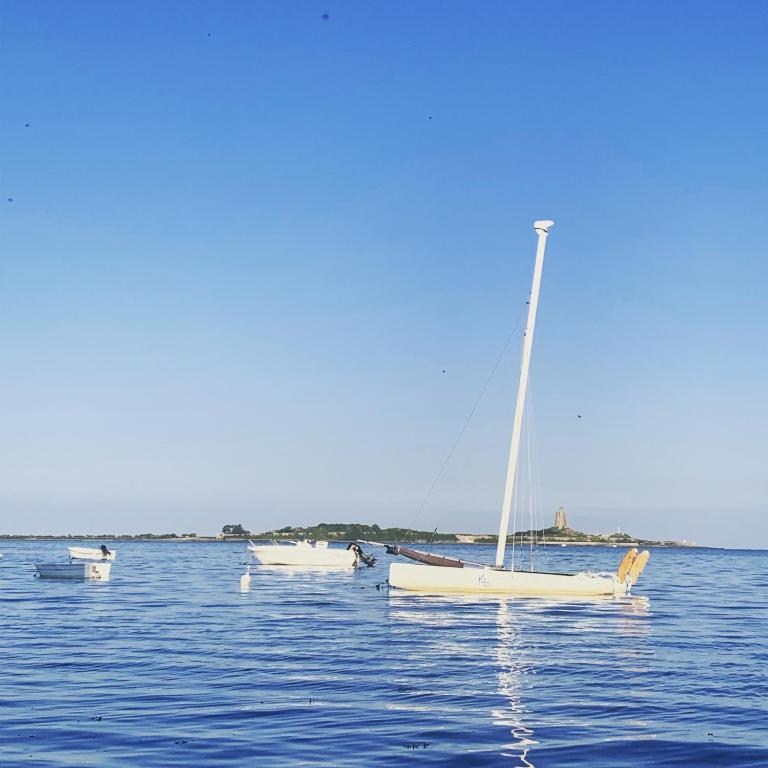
171	664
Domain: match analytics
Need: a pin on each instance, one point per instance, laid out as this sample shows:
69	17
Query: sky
256	265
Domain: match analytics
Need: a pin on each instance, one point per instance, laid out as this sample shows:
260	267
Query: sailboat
438	574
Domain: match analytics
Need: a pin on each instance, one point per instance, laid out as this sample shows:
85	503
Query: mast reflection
491	645
512	666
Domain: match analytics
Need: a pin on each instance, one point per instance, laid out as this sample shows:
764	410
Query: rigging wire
537	489
531	533
515	508
540	524
470	416
518	505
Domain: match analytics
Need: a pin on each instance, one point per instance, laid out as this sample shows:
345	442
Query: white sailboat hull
90	553
303	554
437	580
74	570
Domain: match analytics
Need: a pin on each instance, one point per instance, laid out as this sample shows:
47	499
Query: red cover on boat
424	557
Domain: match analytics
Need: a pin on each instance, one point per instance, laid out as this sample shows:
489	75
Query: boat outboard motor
104	551
369	560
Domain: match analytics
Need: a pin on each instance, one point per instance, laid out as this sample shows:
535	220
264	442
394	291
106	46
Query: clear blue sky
244	242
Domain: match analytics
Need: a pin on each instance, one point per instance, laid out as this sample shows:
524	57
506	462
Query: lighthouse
560	519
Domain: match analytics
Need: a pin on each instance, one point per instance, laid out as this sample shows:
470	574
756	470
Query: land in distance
552	535
356	531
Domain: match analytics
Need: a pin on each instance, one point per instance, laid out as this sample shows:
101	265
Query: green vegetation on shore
355	531
554	535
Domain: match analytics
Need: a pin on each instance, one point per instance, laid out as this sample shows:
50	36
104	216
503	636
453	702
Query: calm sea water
170	664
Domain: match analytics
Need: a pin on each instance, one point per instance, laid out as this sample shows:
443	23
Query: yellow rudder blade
626	564
637	566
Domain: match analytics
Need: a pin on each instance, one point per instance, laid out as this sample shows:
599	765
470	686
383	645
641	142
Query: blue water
170	664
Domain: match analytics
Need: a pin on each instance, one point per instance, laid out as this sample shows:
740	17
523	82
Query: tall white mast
542	229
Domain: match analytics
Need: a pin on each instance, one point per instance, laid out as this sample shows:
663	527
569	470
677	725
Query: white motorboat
308	553
439	574
77	569
92	553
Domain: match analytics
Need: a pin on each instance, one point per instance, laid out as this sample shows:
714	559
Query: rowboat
98	571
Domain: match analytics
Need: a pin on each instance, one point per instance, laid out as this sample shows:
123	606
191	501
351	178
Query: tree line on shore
342	531
365	532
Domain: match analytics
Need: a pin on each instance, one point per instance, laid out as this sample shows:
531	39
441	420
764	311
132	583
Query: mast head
543	226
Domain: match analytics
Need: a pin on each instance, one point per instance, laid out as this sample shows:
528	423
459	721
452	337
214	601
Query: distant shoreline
558	535
243	539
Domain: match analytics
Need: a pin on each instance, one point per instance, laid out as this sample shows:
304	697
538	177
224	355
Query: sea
171	663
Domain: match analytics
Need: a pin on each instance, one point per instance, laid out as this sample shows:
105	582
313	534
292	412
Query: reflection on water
328	669
303	571
636	617
511	658
295	575
459	628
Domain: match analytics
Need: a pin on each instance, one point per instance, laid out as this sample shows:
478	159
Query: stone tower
560	519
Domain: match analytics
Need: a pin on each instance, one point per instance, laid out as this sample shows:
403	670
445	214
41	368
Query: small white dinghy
308	553
77	569
92	553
